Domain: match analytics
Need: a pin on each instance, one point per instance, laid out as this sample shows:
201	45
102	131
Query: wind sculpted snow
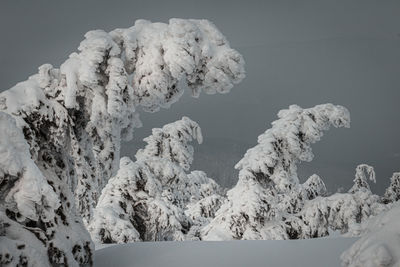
380	245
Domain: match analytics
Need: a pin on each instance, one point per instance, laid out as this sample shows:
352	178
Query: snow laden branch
154	199
37	226
74	118
268	188
171	143
363	174
269	202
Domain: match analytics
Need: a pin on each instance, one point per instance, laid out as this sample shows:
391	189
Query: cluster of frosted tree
269	202
154	199
61	132
65	127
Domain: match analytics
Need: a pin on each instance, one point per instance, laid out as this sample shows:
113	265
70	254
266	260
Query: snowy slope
318	252
380	246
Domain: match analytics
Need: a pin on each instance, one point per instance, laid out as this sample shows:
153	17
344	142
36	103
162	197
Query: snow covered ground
308	253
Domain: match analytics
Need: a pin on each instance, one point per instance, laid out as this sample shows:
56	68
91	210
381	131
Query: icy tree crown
289	141
27	193
314	186
159	58
154	198
364	173
171	142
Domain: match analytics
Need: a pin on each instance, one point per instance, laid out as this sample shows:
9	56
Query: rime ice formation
88	105
363	174
268	201
392	193
268	190
60	166
73	119
314	187
37	226
147	199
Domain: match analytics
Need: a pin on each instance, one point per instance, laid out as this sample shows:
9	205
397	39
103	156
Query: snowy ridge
28	199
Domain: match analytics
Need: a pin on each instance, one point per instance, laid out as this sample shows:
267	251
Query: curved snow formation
268	190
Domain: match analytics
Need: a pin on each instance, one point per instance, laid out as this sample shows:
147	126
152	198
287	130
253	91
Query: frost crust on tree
37	228
314	187
268	191
74	118
154	199
269	202
392	193
91	100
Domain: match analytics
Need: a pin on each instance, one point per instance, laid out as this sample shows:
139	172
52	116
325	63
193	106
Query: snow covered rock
153	199
81	111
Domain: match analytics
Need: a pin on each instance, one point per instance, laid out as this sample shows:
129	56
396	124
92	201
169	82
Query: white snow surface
380	246
300	253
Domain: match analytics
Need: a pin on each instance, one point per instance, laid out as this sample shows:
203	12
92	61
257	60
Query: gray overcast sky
303	52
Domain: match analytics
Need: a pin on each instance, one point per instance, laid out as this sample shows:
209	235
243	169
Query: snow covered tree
147	199
346	212
314	187
268	188
75	117
37	226
392	193
268	201
363	173
172	143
